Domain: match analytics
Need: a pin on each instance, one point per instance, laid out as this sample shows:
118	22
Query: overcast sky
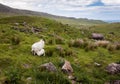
92	9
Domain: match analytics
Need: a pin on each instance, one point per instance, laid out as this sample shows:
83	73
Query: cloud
109	9
77	2
111	2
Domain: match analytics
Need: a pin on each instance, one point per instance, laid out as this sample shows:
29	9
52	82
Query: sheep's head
42	40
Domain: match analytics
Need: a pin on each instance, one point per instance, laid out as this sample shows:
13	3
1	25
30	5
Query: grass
78	22
15	47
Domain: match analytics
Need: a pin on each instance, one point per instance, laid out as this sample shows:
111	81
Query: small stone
71	77
97	64
29	78
67	68
113	68
49	66
117	82
26	66
113	82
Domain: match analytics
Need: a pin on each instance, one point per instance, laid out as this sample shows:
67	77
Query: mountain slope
66	20
19	66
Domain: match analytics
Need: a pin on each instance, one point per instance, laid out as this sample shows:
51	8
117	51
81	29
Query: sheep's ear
41	39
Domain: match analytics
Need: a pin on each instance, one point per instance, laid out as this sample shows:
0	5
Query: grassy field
19	66
78	22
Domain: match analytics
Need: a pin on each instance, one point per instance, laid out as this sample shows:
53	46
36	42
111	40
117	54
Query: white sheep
36	47
41	52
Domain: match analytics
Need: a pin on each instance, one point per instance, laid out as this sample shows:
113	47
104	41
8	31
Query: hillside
78	22
8	11
19	66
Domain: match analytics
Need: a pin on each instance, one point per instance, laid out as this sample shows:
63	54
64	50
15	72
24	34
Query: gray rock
16	24
71	77
28	80
97	64
113	68
49	66
116	82
67	68
97	36
26	66
113	82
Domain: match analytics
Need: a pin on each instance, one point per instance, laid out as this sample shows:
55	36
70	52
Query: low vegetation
62	42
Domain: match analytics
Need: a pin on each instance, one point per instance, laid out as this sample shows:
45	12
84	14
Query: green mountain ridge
65	20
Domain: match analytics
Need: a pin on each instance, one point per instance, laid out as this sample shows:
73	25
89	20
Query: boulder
116	82
113	82
97	36
49	66
67	68
113	68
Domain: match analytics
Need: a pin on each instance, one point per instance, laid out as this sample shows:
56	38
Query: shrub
111	47
102	43
69	52
13	75
56	40
61	62
51	78
118	46
5	62
51	41
59	40
60	50
82	77
64	51
90	46
50	50
71	43
76	43
15	40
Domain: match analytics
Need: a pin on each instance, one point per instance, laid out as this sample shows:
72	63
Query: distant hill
112	21
8	11
78	22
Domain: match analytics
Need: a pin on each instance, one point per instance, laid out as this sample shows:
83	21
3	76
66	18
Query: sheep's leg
44	54
33	52
38	54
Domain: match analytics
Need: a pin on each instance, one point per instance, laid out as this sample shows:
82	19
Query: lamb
41	52
37	48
